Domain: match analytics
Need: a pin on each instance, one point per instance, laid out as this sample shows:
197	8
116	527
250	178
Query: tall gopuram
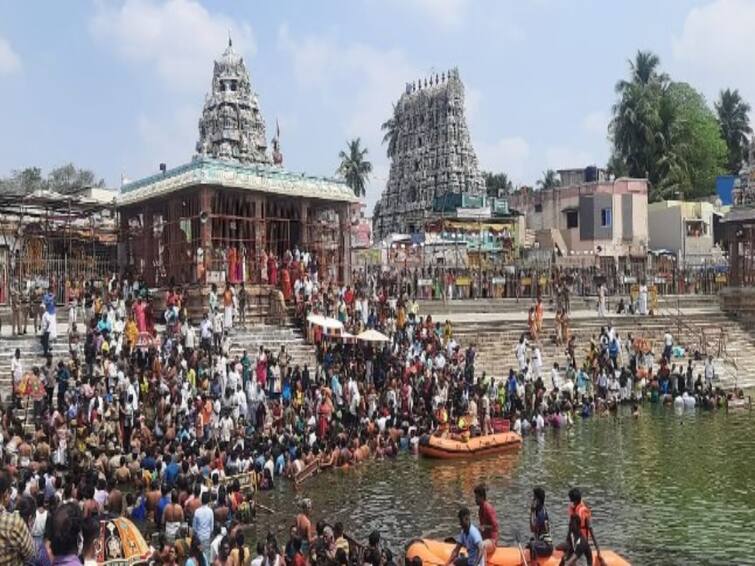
231	126
431	154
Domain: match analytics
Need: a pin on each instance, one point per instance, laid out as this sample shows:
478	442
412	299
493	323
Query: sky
117	86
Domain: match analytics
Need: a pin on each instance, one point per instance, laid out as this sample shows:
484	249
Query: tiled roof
266	179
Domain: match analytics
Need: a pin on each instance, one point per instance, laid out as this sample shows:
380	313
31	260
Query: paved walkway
521	316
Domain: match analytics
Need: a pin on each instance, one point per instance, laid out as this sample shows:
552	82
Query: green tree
734	122
390	137
497	184
354	168
693	151
549	180
665	132
29	179
65	179
636	118
69	179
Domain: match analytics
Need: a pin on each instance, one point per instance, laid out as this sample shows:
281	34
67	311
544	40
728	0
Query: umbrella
121	543
372	335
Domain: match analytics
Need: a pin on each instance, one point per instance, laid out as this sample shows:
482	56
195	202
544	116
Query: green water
665	488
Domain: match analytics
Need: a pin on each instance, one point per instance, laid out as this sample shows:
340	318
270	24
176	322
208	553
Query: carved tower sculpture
431	154
231	126
744	185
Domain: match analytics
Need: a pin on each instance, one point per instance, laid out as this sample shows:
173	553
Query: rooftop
257	177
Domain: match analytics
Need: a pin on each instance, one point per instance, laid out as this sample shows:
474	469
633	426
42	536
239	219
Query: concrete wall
668	222
589	199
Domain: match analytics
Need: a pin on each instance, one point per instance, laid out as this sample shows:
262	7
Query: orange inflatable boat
438	447
436	553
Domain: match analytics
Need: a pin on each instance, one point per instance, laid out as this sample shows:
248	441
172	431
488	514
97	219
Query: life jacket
582	514
442	416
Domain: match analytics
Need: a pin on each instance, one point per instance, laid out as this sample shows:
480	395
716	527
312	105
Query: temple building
431	155
220	217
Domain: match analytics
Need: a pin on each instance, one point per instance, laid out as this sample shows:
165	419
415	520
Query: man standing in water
470	539
304	529
488	520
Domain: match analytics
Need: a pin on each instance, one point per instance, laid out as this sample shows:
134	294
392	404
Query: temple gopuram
217	218
431	155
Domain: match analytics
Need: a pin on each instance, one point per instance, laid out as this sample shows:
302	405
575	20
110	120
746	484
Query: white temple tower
231	126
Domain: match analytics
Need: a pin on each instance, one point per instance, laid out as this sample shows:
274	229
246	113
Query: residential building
606	220
685	229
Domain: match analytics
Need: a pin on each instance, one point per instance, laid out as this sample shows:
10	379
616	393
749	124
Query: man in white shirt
710	372
537	362
555	377
521	353
668	345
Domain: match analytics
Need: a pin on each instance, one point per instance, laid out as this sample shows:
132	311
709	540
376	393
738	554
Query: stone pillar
303	224
259	237
148	244
344	223
205	233
735	279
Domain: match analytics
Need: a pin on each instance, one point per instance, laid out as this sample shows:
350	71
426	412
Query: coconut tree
733	119
636	117
354	168
550	180
390	127
643	71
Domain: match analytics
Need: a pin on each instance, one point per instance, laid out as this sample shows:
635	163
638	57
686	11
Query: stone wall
431	154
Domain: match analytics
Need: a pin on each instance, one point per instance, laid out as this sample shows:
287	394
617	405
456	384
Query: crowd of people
160	419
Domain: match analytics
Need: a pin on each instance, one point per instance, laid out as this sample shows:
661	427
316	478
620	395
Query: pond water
664	488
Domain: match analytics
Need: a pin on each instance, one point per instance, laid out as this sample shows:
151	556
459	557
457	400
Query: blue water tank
724	186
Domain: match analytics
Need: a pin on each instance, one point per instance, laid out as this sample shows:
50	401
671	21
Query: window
538	207
605	217
572	219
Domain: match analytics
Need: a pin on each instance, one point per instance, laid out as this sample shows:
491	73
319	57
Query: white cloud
178	39
9	59
509	155
168	139
446	14
713	49
596	123
567	158
358	82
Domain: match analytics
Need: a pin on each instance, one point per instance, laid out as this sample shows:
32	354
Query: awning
324	321
372	335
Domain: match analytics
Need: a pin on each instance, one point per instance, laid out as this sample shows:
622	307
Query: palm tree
636	119
354	168
735	125
497	184
643	71
550	180
390	127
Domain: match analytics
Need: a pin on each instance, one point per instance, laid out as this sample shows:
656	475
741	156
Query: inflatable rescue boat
439	447
436	553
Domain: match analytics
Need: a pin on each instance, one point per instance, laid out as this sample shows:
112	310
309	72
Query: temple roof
257	177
